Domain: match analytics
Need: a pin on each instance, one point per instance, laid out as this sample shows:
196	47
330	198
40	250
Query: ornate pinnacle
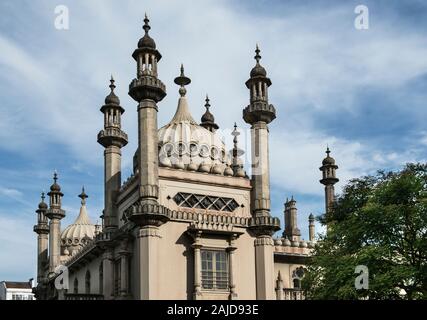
83	196
182	81
207	105
146	26
257	56
112	85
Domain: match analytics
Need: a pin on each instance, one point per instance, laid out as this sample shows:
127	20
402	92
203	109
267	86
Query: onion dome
146	41
42	204
82	230
286	242
328	160
55	187
183	138
311	217
208	119
112	98
258	70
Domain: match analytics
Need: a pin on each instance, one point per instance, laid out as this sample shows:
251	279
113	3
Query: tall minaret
259	114
329	179
147	90
311	228
55	214
291	224
112	138
42	230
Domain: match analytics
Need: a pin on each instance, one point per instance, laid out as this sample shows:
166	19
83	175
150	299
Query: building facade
189	223
16	290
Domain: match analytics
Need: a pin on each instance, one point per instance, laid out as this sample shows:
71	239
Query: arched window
76	285
101	278
87	282
297	283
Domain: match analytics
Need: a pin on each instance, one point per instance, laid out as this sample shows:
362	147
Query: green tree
380	222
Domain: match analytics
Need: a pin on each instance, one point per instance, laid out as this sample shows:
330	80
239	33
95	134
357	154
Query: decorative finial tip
55	175
257	55
327	150
146	26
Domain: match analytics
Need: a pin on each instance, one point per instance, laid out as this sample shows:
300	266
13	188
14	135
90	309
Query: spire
83	196
327	150
182	81
146	41
258	70
207	105
237	164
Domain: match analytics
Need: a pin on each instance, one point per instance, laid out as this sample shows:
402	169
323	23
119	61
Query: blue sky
363	92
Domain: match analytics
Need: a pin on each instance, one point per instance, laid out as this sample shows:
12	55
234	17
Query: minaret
208	119
311	228
259	114
55	214
42	230
147	90
112	138
291	223
329	179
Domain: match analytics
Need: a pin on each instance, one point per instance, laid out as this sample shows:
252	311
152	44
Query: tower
311	228
147	90
329	179
55	214
208	119
112	138
42	230
146	212
259	113
291	225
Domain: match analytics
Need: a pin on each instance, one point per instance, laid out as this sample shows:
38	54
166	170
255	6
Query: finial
83	196
257	56
146	26
327	150
207	105
279	277
182	81
55	175
112	85
43	196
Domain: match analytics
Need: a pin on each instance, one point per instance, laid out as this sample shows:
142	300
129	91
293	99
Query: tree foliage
379	221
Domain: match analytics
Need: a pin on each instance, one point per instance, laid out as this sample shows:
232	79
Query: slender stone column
232	267
197	295
279	287
147	247
264	250
108	275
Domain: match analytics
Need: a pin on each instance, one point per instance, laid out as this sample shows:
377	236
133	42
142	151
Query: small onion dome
208	119
146	41
192	166
303	244
311	217
258	70
328	160
228	171
295	243
204	167
42	204
112	98
218	169
55	186
277	242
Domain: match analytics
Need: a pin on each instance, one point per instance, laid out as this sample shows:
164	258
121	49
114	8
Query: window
297	283
117	278
87	282
76	286
200	201
214	270
101	278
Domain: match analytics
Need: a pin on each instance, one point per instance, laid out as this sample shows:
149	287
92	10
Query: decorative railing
293	294
82	296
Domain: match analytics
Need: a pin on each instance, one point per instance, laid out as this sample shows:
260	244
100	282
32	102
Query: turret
42	230
291	221
112	138
329	178
55	214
